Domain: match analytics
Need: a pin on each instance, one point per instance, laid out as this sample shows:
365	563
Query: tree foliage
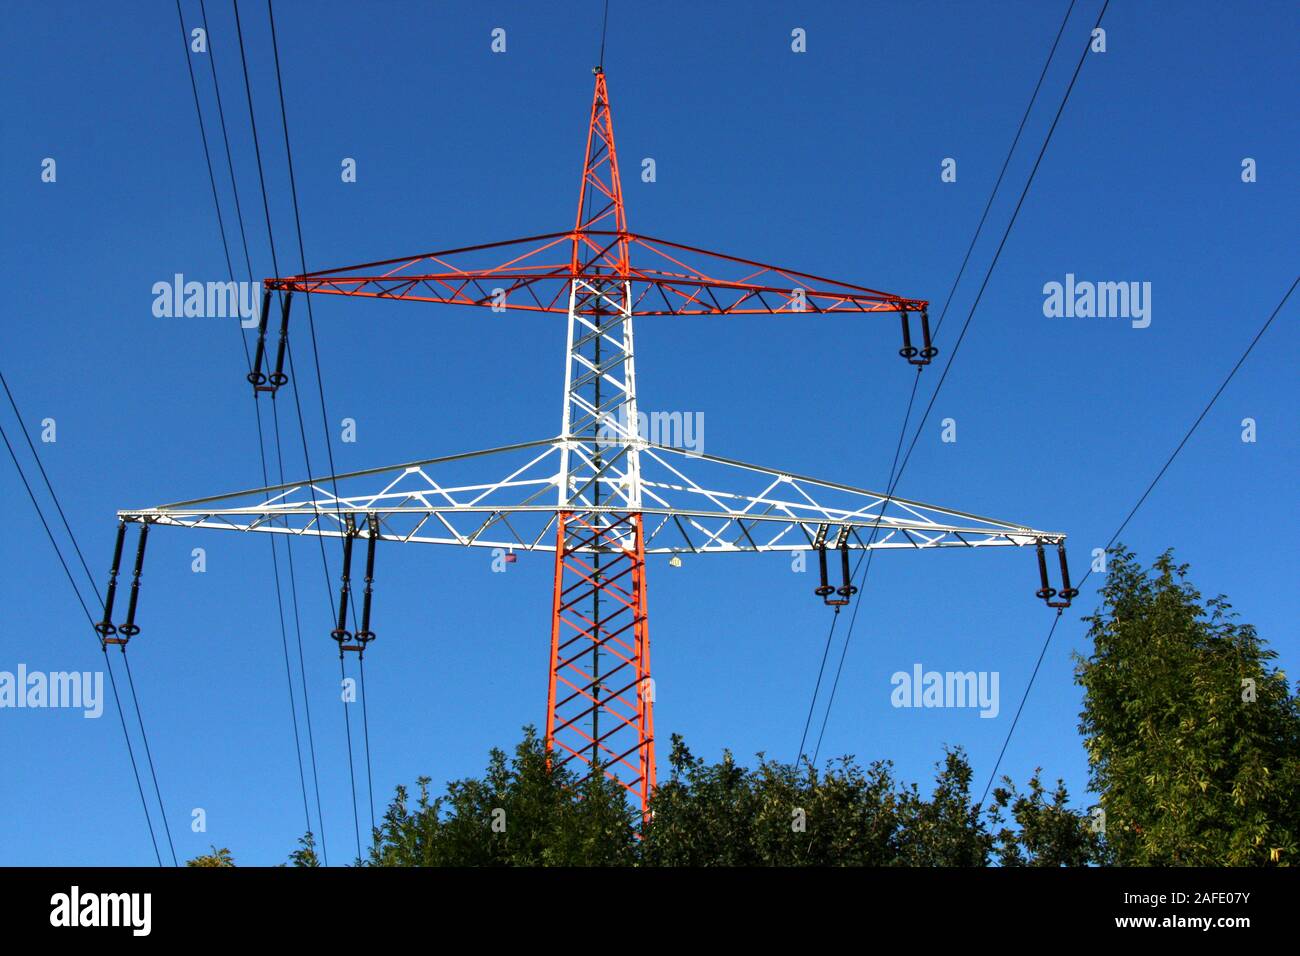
524	812
221	857
305	855
527	811
1193	736
1046	833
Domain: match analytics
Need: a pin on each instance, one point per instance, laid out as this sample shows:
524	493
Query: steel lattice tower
599	494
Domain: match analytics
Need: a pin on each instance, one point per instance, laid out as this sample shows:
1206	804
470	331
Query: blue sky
826	161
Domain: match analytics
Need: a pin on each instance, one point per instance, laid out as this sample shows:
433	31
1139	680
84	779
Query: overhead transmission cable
302	425
975	304
297	617
248	90
1129	517
320	379
604	27
76	590
261	441
144	736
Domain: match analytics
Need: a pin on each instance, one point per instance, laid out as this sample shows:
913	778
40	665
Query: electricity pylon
598	495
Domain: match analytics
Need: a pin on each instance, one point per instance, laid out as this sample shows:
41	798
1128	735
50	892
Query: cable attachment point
256	378
1046	592
278	377
927	351
366	635
341	633
846	590
825	589
128	628
908	351
106	628
819	545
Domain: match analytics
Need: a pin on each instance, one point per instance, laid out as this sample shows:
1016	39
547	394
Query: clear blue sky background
827	161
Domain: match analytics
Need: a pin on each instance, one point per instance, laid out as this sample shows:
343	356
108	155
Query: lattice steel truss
598	495
692	503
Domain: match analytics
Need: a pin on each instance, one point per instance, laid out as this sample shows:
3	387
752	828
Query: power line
49	487
896	472
58	552
243	341
604	26
148	753
1015	141
347	717
830	634
135	769
1002	244
207	157
347	722
984	285
41	514
365	730
252	119
315	351
297	623
1132	511
288	544
234	184
866	572
1056	619
230	162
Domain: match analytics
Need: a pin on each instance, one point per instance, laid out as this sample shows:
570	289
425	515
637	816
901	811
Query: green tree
528	811
217	857
723	814
945	830
711	815
305	855
1193	736
1047	833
